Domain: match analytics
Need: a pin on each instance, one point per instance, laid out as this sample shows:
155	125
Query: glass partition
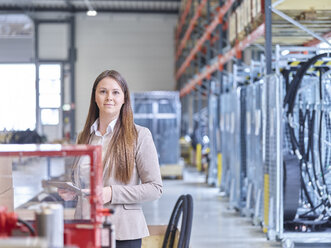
28	183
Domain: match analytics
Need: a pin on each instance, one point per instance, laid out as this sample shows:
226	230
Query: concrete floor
214	225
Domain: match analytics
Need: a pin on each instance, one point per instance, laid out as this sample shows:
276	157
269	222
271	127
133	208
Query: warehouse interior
236	95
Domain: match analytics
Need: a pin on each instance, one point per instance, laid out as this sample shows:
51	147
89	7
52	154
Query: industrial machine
300	183
31	178
275	135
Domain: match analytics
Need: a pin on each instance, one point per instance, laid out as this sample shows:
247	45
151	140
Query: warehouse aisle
213	224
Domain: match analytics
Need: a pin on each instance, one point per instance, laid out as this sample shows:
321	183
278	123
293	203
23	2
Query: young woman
131	172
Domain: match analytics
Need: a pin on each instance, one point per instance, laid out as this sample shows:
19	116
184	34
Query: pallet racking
213	62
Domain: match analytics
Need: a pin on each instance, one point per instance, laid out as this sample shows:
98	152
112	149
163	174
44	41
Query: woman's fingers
66	195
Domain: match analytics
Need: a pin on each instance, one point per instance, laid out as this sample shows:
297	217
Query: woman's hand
66	195
106	194
69	195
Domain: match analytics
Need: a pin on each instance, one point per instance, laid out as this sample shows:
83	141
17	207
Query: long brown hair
121	148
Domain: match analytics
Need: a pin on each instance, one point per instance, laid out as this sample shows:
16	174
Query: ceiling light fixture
90	10
91	13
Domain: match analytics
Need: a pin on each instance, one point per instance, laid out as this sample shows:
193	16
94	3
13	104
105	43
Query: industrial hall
165	123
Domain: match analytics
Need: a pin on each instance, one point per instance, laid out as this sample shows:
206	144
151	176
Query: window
50	93
17	97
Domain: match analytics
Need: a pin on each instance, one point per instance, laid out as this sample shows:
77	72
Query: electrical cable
305	156
307	194
286	75
189	221
311	129
293	140
28	226
311	210
302	148
311	141
320	130
301	131
305	159
181	240
294	86
171	228
306	151
174	225
184	208
290	96
320	148
298	146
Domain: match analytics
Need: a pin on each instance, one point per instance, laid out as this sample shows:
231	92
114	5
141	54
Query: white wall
140	47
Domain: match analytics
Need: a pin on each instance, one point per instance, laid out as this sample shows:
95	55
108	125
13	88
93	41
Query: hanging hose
290	96
310	211
184	208
320	130
294	86
171	228
286	75
188	229
303	154
311	141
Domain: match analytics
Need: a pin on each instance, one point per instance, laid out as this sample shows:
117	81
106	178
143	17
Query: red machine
85	233
8	222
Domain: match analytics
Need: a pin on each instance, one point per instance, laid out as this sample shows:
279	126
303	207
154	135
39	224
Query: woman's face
109	97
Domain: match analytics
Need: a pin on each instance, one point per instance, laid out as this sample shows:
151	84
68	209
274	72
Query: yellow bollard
198	157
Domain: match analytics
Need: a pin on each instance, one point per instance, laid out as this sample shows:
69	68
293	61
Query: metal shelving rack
203	54
204	59
198	38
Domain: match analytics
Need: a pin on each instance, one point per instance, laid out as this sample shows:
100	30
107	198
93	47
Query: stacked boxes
246	17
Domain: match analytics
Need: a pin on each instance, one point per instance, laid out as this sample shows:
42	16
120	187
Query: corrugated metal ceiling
15	21
146	6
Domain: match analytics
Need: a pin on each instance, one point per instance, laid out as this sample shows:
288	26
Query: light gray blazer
145	185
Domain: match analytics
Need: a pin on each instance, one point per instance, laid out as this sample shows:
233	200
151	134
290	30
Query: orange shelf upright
182	19
206	36
258	32
190	28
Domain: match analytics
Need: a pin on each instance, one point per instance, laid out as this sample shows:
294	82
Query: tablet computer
66	185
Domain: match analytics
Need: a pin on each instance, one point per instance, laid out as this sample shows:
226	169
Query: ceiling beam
103	10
